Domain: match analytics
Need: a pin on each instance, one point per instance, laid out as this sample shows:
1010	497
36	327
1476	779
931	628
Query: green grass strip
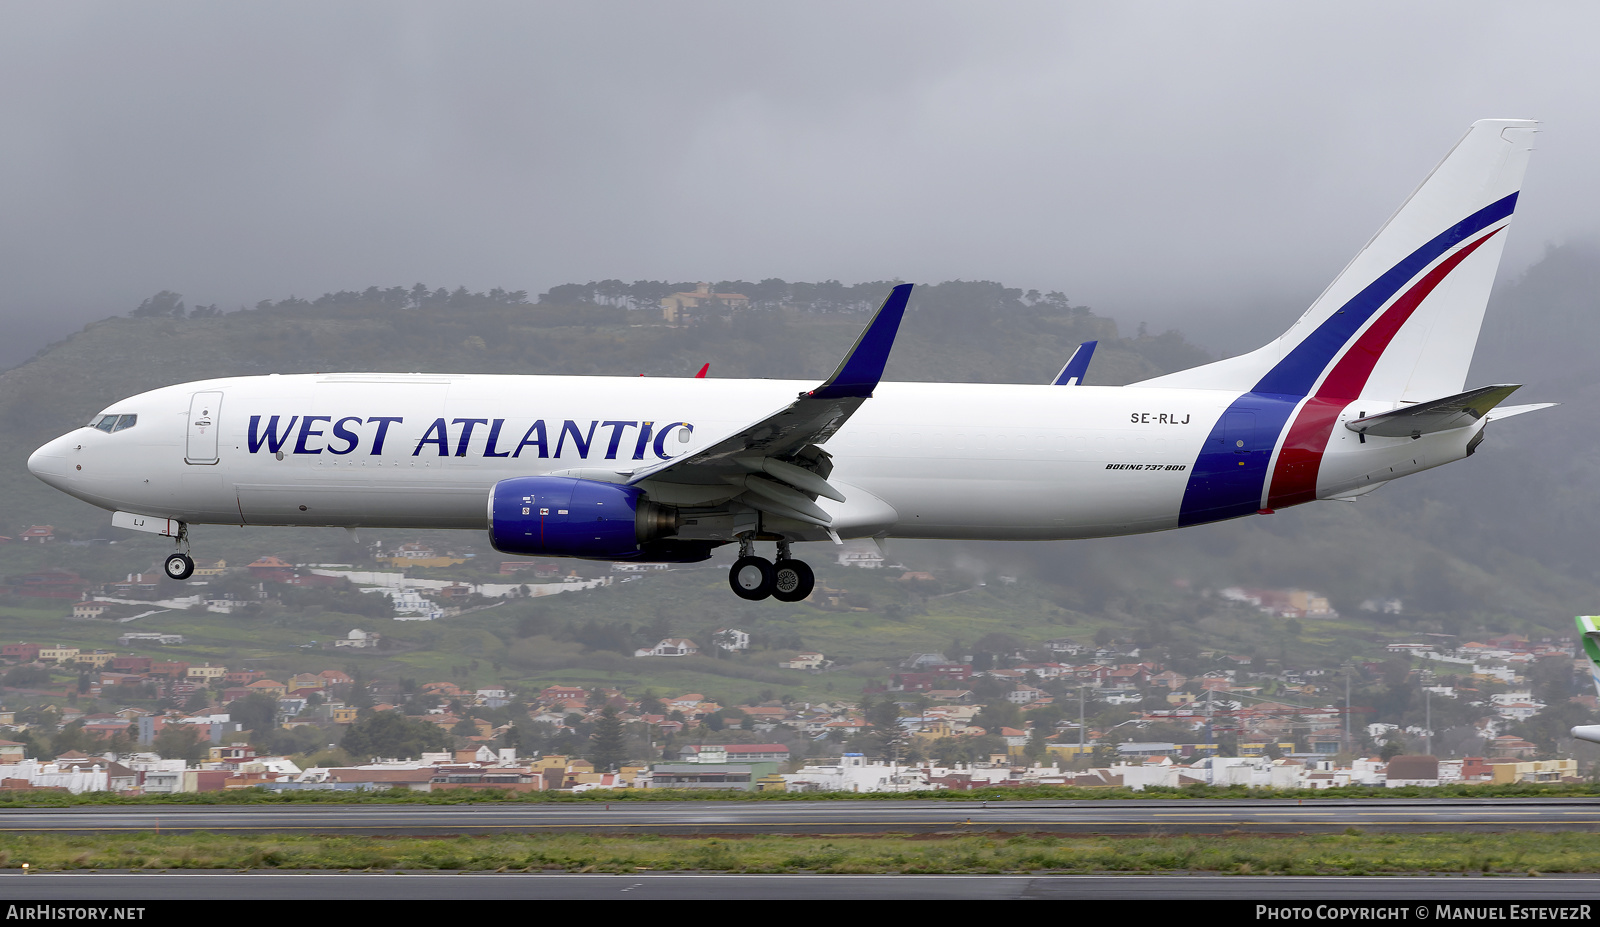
1331	854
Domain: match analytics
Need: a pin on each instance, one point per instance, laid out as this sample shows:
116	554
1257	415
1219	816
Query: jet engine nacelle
566	517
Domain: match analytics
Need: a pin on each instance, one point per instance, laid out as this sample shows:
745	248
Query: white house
359	639
731	639
670	647
864	556
409	605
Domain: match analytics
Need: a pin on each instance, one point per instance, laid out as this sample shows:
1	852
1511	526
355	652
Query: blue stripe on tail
1228	479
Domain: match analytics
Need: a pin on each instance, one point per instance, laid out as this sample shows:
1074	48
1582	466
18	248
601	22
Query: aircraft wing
1444	414
774	464
1072	373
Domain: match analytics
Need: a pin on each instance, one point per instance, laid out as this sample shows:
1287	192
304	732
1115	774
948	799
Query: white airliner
1365	387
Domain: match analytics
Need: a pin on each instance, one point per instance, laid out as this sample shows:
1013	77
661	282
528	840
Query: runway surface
832	817
289	886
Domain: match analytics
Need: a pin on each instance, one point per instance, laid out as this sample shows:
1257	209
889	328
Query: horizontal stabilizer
1501	412
1425	418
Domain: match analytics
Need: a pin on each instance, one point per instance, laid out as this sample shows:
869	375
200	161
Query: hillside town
1059	713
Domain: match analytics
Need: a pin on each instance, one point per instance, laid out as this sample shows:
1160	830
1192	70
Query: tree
179	742
610	747
998	714
165	304
360	696
70	737
28	676
255	712
1037	745
883	720
391	734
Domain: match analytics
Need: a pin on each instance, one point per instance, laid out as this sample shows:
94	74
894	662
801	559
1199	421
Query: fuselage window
125	422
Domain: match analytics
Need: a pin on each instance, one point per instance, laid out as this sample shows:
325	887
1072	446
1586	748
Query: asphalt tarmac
1154	816
393	887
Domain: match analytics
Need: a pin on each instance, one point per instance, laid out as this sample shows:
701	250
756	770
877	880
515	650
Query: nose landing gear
179	565
755	578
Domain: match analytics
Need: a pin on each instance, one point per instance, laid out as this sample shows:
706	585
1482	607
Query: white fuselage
927	460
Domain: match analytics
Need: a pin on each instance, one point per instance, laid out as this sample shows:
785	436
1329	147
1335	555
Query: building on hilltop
683	308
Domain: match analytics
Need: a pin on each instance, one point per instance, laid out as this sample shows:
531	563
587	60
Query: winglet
1077	366
859	372
702	374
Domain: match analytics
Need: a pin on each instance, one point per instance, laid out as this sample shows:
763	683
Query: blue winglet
1077	366
859	372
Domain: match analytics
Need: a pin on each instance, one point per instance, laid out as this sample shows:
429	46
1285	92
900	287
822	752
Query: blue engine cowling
565	517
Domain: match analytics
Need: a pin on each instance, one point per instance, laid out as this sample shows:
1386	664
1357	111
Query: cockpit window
110	423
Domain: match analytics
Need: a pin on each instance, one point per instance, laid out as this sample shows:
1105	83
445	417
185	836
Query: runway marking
1429	813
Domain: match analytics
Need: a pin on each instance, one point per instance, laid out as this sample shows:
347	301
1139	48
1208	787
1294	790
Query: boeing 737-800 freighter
1367	386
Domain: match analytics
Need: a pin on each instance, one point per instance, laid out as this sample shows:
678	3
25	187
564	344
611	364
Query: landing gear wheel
179	566
752	578
794	581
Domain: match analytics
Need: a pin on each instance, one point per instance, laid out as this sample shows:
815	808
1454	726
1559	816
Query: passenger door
204	419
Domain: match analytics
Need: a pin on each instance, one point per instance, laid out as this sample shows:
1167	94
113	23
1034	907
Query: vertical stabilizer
1401	321
1076	367
1589	635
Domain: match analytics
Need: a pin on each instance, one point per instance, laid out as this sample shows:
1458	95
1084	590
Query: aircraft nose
49	463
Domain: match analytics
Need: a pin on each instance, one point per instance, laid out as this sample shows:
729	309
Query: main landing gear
179	565
755	578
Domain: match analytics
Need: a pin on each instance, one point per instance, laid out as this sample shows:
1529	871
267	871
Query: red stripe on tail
1294	479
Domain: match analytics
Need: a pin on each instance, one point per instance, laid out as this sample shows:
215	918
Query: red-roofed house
51	584
272	570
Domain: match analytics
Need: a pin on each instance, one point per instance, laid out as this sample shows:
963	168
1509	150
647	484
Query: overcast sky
1202	165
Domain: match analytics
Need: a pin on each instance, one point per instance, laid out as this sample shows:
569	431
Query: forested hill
975	331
